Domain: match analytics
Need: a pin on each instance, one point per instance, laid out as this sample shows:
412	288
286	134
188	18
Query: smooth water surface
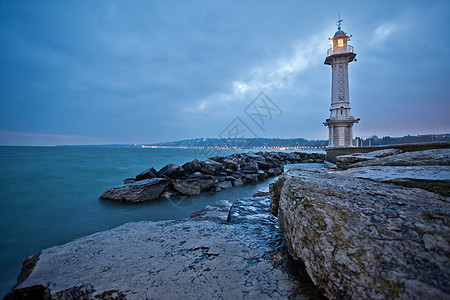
49	196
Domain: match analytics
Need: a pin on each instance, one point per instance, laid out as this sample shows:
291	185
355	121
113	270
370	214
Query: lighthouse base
340	135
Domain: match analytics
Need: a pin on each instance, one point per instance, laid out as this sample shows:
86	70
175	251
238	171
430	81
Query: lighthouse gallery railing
341	49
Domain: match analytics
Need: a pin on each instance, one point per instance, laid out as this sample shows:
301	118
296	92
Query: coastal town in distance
280	144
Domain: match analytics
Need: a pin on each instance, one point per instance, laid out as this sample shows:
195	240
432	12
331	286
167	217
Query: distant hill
275	143
245	143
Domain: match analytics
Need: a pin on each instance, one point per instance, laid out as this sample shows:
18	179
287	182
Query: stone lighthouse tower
341	121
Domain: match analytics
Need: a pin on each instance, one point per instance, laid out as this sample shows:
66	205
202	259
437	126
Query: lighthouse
341	121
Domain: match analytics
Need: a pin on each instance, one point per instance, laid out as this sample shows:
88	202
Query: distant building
341	121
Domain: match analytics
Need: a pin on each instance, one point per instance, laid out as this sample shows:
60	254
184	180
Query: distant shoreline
235	148
269	144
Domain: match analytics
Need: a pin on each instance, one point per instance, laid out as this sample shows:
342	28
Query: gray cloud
141	72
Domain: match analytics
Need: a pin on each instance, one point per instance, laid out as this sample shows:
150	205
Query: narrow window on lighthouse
340	42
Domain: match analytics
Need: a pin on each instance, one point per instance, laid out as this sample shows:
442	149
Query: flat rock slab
432	178
187	259
387	173
430	157
344	161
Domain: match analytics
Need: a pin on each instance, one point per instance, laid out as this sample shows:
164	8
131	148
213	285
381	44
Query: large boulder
240	162
291	158
275	156
263	165
237	182
139	191
147	174
211	167
361	239
218	159
275	171
195	186
171	171
261	175
192	166
231	164
224	185
237	174
272	163
250	178
250	167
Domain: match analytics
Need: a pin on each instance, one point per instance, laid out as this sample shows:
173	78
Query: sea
50	196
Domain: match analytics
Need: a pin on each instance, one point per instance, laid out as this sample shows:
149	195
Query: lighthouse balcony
336	52
340	49
345	120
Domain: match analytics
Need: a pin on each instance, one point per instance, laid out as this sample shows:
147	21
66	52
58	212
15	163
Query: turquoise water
49	196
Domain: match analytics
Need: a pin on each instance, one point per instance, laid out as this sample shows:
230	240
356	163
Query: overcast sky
97	72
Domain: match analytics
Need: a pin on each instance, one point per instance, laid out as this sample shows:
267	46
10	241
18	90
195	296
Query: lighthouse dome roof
339	33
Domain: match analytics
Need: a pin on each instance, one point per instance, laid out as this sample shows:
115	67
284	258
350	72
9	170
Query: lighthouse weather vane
339	22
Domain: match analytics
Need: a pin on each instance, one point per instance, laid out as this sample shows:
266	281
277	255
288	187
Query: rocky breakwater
365	234
213	174
226	251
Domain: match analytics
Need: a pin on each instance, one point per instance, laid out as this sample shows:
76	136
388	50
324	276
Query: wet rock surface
217	212
211	175
226	251
362	239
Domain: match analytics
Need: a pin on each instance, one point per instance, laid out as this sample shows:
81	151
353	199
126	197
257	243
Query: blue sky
97	72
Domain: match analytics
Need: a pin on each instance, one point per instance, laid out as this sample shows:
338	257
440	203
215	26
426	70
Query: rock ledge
226	251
